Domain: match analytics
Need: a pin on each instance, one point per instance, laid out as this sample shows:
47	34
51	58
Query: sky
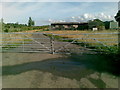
44	13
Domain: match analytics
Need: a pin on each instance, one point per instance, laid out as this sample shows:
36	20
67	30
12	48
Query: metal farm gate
90	43
86	43
25	42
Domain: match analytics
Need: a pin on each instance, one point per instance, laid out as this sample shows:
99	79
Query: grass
10	41
101	42
98	83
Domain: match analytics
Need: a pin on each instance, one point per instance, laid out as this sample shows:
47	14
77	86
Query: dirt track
36	70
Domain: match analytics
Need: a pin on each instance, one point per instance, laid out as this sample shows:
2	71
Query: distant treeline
15	27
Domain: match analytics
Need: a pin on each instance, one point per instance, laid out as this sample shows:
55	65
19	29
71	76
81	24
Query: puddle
60	67
66	67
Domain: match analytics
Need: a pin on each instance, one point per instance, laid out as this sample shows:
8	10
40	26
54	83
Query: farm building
69	26
113	25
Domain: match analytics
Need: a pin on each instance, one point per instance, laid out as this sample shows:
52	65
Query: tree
117	17
96	23
30	22
107	24
33	23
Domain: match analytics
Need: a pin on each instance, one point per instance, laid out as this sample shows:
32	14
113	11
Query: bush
6	30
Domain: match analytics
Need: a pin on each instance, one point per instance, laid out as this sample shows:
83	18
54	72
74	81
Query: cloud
13	11
47	12
85	17
53	21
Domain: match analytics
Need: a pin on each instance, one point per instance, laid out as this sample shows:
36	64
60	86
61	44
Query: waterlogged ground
35	70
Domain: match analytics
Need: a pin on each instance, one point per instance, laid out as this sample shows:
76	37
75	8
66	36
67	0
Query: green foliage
31	22
16	27
99	47
117	17
6	30
82	27
107	24
13	27
96	23
46	30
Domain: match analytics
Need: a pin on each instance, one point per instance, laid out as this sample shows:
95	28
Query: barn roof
69	23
